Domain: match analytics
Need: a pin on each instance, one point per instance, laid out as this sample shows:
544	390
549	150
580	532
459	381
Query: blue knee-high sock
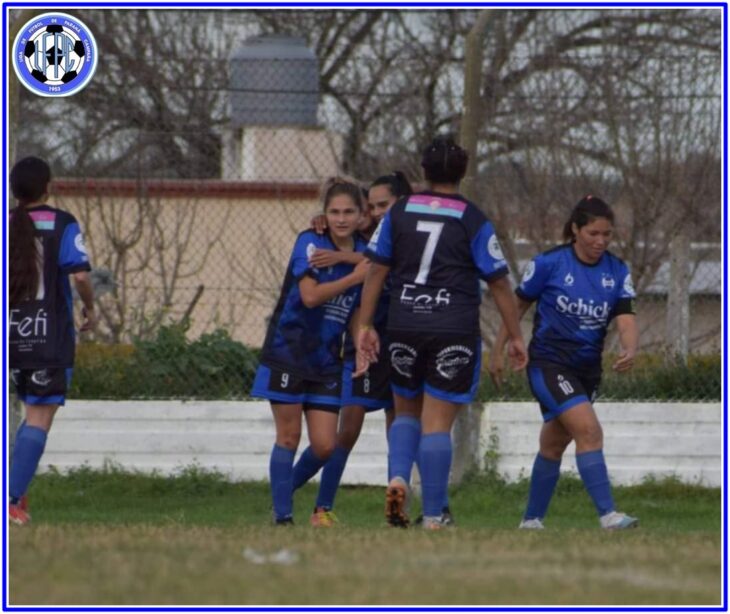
434	464
404	437
306	468
593	472
29	445
331	476
280	475
545	474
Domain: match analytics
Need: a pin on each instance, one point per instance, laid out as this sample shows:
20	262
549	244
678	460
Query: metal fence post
678	296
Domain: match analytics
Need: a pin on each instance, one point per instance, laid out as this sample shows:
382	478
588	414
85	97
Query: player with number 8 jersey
436	245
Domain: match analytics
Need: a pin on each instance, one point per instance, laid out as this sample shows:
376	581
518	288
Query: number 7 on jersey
434	233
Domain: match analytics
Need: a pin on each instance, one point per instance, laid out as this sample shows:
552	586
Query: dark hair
396	182
338	186
443	161
588	209
29	180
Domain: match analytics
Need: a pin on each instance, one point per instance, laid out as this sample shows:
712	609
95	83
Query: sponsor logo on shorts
41	378
402	357
453	359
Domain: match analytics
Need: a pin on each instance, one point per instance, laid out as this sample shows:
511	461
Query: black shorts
41	386
282	387
371	390
446	366
557	388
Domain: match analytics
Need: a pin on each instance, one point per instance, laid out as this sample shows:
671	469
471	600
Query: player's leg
576	414
41	392
288	422
321	407
322	430
453	366
435	455
545	472
350	425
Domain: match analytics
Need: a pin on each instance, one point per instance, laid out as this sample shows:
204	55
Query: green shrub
214	366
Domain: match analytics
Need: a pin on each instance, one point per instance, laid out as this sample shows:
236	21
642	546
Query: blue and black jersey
42	331
576	302
438	247
308	341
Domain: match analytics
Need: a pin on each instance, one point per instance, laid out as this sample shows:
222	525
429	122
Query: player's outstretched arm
628	334
496	356
367	341
83	285
504	298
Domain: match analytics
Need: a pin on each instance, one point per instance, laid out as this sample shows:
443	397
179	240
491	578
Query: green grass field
114	538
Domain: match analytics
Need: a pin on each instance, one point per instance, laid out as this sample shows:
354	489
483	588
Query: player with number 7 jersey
436	245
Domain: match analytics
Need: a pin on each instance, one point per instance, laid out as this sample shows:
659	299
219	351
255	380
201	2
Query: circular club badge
55	55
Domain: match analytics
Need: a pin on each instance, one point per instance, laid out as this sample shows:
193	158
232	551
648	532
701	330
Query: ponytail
23	264
588	209
29	180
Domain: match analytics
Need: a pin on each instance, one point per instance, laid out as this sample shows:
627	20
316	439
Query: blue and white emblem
55	55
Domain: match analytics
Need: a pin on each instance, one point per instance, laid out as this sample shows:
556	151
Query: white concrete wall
235	438
640	439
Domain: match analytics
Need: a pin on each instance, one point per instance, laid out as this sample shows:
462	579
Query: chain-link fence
193	164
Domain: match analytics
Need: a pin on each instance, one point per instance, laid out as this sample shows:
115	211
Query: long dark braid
29	180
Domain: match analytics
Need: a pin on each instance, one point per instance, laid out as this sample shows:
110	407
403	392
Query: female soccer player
359	396
300	368
579	288
46	246
435	245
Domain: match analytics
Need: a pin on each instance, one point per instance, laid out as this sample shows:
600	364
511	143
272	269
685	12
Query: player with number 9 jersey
301	366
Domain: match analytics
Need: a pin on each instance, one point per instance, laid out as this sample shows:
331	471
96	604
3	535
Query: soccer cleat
17	515
396	503
447	518
23	503
284	522
322	517
532	523
436	523
616	521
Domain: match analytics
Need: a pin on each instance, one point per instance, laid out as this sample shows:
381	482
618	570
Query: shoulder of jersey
555	251
62	215
615	259
312	236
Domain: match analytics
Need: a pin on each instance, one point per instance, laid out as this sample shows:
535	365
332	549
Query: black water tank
274	81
